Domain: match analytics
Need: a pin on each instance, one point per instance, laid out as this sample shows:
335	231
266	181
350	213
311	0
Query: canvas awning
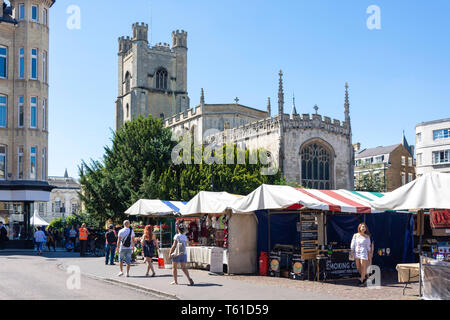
147	207
37	221
430	191
286	197
210	202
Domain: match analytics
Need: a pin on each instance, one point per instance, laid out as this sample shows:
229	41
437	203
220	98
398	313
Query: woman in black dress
149	243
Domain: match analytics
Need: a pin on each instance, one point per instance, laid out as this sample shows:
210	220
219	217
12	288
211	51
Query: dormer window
161	79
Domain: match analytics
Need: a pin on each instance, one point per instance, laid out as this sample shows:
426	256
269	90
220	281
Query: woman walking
179	248
361	248
149	244
51	239
39	238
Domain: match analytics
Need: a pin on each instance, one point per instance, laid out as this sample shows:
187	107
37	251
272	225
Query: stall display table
196	256
407	273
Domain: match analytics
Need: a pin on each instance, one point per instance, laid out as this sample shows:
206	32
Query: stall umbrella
430	191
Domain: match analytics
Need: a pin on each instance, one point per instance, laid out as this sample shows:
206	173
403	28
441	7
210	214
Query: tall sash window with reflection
2	162
3	62
33	163
33	112
3	111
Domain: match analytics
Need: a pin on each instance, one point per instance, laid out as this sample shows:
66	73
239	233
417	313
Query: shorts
180	259
125	255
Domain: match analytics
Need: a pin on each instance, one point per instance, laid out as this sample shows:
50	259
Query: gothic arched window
127	82
161	79
316	167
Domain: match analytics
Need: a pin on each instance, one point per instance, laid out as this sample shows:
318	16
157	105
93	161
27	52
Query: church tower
152	79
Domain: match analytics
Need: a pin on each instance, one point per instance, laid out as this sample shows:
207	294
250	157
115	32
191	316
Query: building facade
313	150
152	80
64	198
24	86
393	165
433	146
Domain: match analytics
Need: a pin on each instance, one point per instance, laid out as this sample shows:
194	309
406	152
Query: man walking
3	235
111	243
39	238
83	236
125	246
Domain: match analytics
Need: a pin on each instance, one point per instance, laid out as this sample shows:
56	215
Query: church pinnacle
280	95
347	105
294	110
269	111
202	98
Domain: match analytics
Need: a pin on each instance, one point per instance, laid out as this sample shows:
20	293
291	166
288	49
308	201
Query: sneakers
120	274
128	275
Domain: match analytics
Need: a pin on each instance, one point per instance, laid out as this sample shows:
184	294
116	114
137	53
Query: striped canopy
145	207
286	197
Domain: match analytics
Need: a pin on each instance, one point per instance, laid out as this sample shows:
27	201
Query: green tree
370	182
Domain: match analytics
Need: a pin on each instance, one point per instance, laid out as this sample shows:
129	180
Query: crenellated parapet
124	45
307	121
183	116
162	46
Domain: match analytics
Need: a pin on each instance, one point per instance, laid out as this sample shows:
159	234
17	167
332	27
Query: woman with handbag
178	254
149	244
360	248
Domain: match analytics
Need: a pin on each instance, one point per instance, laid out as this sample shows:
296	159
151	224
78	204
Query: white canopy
36	220
146	207
210	202
430	191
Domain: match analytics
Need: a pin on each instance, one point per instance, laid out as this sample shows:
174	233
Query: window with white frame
3	62
2	162
419	159
21	11
441	134
44	115
419	137
34	64
403	161
403	178
44	66
33	163
21	112
3	110
34	13
20	163
44	16
410	162
33	112
21	63
44	159
441	157
410	177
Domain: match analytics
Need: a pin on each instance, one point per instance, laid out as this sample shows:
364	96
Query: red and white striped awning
286	197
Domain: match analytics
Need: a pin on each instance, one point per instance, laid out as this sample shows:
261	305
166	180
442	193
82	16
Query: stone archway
317	164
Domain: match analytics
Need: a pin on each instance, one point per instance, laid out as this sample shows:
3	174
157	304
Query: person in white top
125	245
180	238
361	248
39	238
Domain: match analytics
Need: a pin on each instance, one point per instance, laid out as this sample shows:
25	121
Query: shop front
17	200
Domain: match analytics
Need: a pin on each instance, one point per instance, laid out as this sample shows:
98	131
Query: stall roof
210	202
430	191
36	220
286	197
147	207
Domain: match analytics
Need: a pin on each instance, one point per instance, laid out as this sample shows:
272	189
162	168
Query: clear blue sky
398	76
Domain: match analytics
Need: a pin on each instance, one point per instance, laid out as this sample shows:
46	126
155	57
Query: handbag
351	255
179	250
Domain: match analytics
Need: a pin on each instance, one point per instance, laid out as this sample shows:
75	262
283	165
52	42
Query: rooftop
376	151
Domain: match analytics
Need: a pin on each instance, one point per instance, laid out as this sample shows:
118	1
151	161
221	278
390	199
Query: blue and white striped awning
146	207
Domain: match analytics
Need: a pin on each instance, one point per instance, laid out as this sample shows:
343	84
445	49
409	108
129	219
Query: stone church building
311	149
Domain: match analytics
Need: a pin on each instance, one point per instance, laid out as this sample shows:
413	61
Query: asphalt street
27	276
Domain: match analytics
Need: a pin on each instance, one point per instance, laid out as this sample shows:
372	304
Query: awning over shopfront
146	207
210	202
285	197
430	191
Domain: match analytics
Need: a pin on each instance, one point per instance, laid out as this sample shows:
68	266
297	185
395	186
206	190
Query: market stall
211	225
430	192
158	210
294	229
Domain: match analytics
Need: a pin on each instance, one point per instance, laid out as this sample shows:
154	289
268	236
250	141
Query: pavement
228	287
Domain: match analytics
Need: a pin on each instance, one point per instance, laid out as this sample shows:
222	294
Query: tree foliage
138	165
370	182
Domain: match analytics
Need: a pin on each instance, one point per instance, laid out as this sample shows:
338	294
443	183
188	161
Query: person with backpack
111	243
125	247
178	254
